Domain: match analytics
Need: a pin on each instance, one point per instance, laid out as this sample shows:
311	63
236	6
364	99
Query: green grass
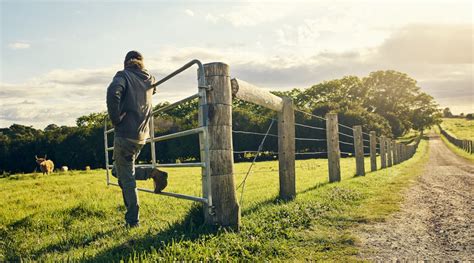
74	216
454	148
461	128
408	137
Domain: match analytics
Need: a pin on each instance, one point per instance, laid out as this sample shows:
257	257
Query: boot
160	179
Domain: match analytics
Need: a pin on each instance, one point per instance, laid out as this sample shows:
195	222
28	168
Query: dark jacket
129	103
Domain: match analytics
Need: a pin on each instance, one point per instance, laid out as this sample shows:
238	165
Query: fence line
465	145
216	91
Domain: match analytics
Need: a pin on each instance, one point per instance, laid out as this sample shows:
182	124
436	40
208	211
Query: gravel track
436	219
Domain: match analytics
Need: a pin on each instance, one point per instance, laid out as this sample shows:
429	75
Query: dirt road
436	218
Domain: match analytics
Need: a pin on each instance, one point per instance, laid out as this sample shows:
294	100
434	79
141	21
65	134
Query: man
129	98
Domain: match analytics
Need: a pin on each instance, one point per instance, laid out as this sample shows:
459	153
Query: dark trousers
125	154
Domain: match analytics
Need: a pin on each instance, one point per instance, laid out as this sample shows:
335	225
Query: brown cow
46	166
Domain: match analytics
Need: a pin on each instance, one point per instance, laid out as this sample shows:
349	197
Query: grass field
454	148
461	128
74	216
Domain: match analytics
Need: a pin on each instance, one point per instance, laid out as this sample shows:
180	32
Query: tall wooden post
217	116
359	150
389	152
395	153
334	153
400	154
403	151
373	151
383	152
408	154
286	150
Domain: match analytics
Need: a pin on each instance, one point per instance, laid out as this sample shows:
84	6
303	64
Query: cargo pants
124	155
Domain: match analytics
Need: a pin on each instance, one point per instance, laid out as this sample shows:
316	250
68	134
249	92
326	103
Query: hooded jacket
129	103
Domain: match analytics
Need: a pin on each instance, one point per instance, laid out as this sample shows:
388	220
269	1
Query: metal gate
202	130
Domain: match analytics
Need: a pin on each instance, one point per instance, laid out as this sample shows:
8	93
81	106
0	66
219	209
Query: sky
58	57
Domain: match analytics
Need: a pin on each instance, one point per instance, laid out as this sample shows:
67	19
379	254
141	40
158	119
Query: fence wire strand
260	147
255	133
346	143
309	153
310	114
310	139
347	135
267	152
310	127
345	126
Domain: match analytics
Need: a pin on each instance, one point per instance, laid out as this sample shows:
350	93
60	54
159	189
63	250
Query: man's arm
115	91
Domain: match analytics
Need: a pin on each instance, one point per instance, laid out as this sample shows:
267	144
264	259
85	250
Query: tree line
388	102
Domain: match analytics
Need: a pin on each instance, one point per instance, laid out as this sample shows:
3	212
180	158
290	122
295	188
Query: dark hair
133	59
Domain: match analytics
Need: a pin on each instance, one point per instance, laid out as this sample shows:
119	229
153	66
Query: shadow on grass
193	229
69	244
190	228
258	206
277	200
312	188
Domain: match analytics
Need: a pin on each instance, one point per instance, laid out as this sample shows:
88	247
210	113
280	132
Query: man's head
133	59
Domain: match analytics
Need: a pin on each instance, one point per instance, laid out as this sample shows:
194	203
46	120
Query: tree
447	113
92	120
346	97
51	127
388	102
396	96
425	112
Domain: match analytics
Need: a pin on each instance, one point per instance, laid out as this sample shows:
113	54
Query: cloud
433	44
251	13
61	96
19	45
211	18
189	12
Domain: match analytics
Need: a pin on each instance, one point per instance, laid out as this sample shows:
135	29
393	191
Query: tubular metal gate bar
203	138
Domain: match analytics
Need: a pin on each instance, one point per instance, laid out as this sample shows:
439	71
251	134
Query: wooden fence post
389	152
405	148
402	157
334	153
399	152
286	150
395	153
404	152
217	116
383	152
373	151
359	150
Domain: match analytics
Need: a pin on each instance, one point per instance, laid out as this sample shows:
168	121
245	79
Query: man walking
129	98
